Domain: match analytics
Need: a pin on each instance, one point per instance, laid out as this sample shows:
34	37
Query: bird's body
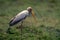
19	17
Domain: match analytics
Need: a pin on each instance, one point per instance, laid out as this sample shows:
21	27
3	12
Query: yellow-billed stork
21	16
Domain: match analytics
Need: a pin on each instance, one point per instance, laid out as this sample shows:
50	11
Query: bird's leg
21	27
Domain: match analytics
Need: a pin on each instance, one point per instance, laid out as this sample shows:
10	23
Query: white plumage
20	16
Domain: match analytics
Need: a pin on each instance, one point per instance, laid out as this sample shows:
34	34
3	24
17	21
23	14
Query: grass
46	28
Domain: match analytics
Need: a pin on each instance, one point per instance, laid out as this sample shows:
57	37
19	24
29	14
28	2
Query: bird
21	16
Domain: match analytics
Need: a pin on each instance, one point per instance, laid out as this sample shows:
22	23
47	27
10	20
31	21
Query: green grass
47	15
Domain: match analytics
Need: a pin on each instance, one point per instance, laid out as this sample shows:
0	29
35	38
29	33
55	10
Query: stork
21	16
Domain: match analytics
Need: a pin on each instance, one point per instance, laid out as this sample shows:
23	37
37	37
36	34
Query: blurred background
47	14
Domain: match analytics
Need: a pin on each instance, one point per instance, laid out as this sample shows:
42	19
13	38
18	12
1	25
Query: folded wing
17	19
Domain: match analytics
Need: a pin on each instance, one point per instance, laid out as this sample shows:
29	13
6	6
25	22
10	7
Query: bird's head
32	12
29	9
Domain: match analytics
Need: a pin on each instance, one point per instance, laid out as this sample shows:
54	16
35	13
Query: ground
47	14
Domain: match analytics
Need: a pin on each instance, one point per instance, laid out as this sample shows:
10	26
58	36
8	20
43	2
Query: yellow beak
34	16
